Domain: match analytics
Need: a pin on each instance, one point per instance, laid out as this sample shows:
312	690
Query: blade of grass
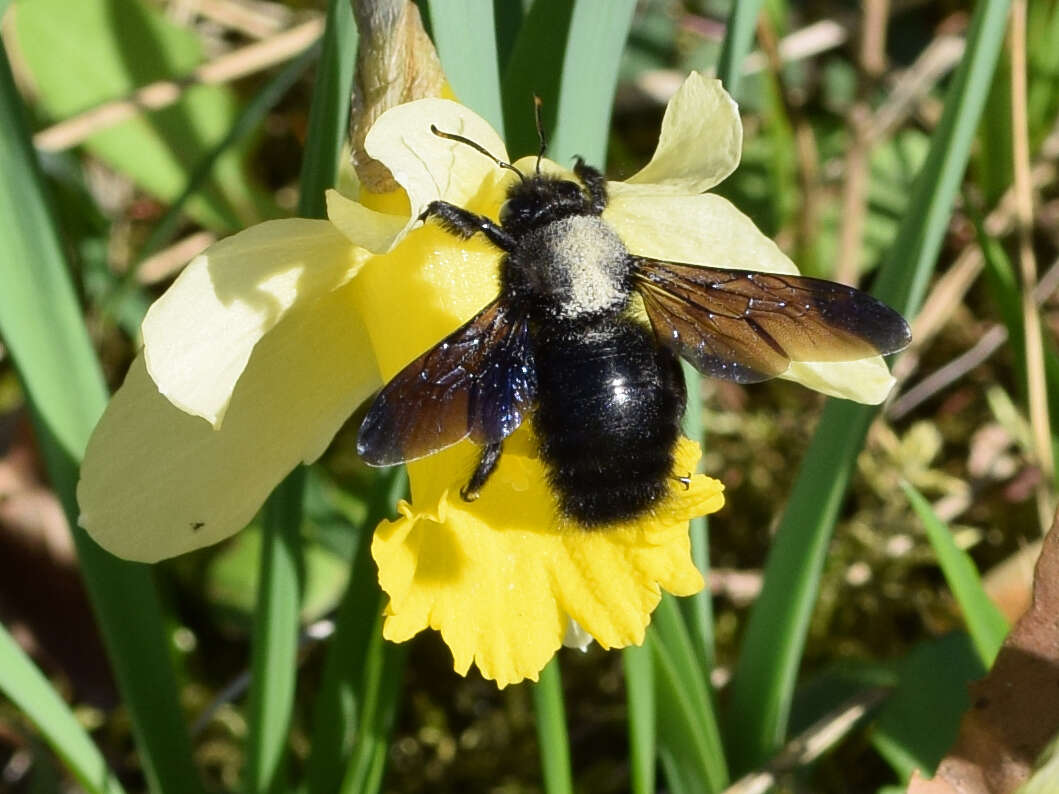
340	696
472	72
698	609
40	322
683	746
775	636
384	673
551	730
738	38
985	624
685	673
275	638
329	114
273	668
1004	291
1036	385
248	120
568	54
640	696
164	231
920	720
31	692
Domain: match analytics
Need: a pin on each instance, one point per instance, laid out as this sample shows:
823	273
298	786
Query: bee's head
535	200
539	200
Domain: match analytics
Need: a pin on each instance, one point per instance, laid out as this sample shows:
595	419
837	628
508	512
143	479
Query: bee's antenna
451	136
540	130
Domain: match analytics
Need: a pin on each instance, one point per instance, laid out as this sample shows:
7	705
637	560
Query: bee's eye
505	212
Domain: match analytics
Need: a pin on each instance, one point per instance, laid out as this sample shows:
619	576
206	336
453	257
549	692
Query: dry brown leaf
1015	708
396	63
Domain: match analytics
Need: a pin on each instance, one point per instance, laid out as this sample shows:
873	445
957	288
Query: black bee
561	343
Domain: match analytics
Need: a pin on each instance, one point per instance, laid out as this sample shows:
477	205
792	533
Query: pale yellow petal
429	167
157	482
501	577
375	231
199	335
866	381
709	230
699	145
698	230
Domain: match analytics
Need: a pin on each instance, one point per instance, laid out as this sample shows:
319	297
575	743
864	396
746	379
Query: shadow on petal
157	482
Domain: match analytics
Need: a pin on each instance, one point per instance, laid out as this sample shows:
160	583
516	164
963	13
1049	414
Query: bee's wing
747	327
479	381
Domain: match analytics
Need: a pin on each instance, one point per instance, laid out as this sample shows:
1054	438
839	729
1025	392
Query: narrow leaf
471	71
24	685
41	324
984	621
551	730
772	647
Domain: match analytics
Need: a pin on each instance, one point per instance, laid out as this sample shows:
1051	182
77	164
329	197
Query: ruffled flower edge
501	579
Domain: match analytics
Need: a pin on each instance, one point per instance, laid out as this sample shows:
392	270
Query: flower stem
551	730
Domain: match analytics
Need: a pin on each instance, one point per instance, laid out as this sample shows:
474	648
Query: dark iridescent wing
747	327
479	381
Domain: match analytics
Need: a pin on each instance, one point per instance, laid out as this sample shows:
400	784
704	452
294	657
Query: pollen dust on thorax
588	261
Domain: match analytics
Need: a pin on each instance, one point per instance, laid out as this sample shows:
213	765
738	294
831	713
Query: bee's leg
595	183
465	224
486	466
685	481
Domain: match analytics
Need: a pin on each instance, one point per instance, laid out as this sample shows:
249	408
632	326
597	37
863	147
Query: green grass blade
698	609
163	232
684	680
775	636
340	697
24	685
551	730
93	51
275	639
568	54
738	38
381	688
276	620
472	71
919	722
1004	291
683	745
40	322
248	120
905	273
640	695
985	624
329	114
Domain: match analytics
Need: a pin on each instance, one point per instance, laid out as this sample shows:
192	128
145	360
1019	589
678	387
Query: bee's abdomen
608	419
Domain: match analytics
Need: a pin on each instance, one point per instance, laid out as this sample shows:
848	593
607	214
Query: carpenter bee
562	344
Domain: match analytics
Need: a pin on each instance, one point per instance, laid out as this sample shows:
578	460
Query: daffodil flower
268	341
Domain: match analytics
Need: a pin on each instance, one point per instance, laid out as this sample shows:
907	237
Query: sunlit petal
698	230
367	228
699	145
866	381
429	167
199	335
157	482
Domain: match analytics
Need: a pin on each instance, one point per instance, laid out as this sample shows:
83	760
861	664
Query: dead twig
1036	388
991	341
855	189
239	63
811	743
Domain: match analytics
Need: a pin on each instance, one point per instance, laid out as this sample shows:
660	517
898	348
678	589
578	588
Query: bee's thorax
571	268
